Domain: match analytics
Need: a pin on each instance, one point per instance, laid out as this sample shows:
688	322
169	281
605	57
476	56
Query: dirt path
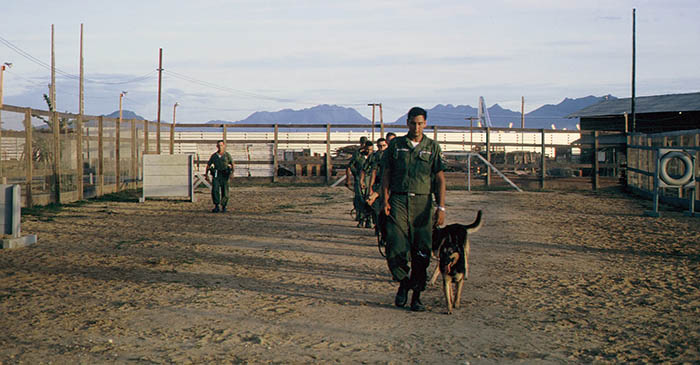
287	278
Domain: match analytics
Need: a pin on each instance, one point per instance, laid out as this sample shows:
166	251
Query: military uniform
365	212
356	164
409	227
218	165
373	163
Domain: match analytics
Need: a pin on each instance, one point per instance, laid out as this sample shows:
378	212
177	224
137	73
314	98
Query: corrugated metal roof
643	104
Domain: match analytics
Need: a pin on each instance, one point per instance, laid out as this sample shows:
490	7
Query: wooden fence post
29	155
329	162
79	155
696	140
275	160
117	153
172	138
2	175
145	137
100	157
651	163
57	155
596	164
488	155
134	158
543	160
628	173
435	133
224	134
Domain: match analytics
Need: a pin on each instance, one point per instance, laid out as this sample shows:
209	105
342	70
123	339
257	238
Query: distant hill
542	117
126	114
315	115
546	115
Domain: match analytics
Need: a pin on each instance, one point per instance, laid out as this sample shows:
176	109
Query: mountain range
542	117
445	115
126	115
315	115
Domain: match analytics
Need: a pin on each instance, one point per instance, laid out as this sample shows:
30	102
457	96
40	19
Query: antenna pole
160	80
634	61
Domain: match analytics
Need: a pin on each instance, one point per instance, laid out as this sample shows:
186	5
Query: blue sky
247	56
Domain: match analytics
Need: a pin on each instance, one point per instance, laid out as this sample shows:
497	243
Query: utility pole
634	61
81	101
2	71
53	72
160	75
373	105
79	122
522	112
117	151
172	131
381	121
522	119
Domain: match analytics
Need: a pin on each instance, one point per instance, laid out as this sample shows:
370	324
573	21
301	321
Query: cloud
609	18
334	61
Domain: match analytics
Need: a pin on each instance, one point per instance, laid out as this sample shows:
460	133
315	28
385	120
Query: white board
168	176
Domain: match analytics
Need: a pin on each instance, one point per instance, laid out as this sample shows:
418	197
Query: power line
248	93
225	88
46	66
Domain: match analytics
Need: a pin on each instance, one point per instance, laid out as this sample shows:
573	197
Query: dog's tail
474	227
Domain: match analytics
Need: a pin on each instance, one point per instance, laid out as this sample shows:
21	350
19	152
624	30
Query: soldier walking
354	167
411	163
372	174
220	166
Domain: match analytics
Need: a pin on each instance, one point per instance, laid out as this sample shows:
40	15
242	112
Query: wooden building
654	114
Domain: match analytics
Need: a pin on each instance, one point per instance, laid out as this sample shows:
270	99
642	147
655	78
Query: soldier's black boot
216	209
223	209
402	294
416	305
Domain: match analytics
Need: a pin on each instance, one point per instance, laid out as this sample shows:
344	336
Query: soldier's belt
405	193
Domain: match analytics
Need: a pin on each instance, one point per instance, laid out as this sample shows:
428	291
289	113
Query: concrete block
17	242
10	210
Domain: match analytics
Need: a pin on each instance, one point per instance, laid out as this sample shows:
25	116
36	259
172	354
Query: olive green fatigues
356	163
409	226
373	163
218	166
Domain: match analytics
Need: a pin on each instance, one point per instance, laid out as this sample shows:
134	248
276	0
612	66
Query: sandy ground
287	278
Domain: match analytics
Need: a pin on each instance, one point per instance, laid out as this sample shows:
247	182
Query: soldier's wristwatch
441	208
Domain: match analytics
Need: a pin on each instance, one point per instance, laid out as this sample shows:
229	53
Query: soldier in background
220	166
365	209
372	174
353	169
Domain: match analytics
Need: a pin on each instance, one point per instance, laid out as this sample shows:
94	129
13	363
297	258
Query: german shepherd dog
451	248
